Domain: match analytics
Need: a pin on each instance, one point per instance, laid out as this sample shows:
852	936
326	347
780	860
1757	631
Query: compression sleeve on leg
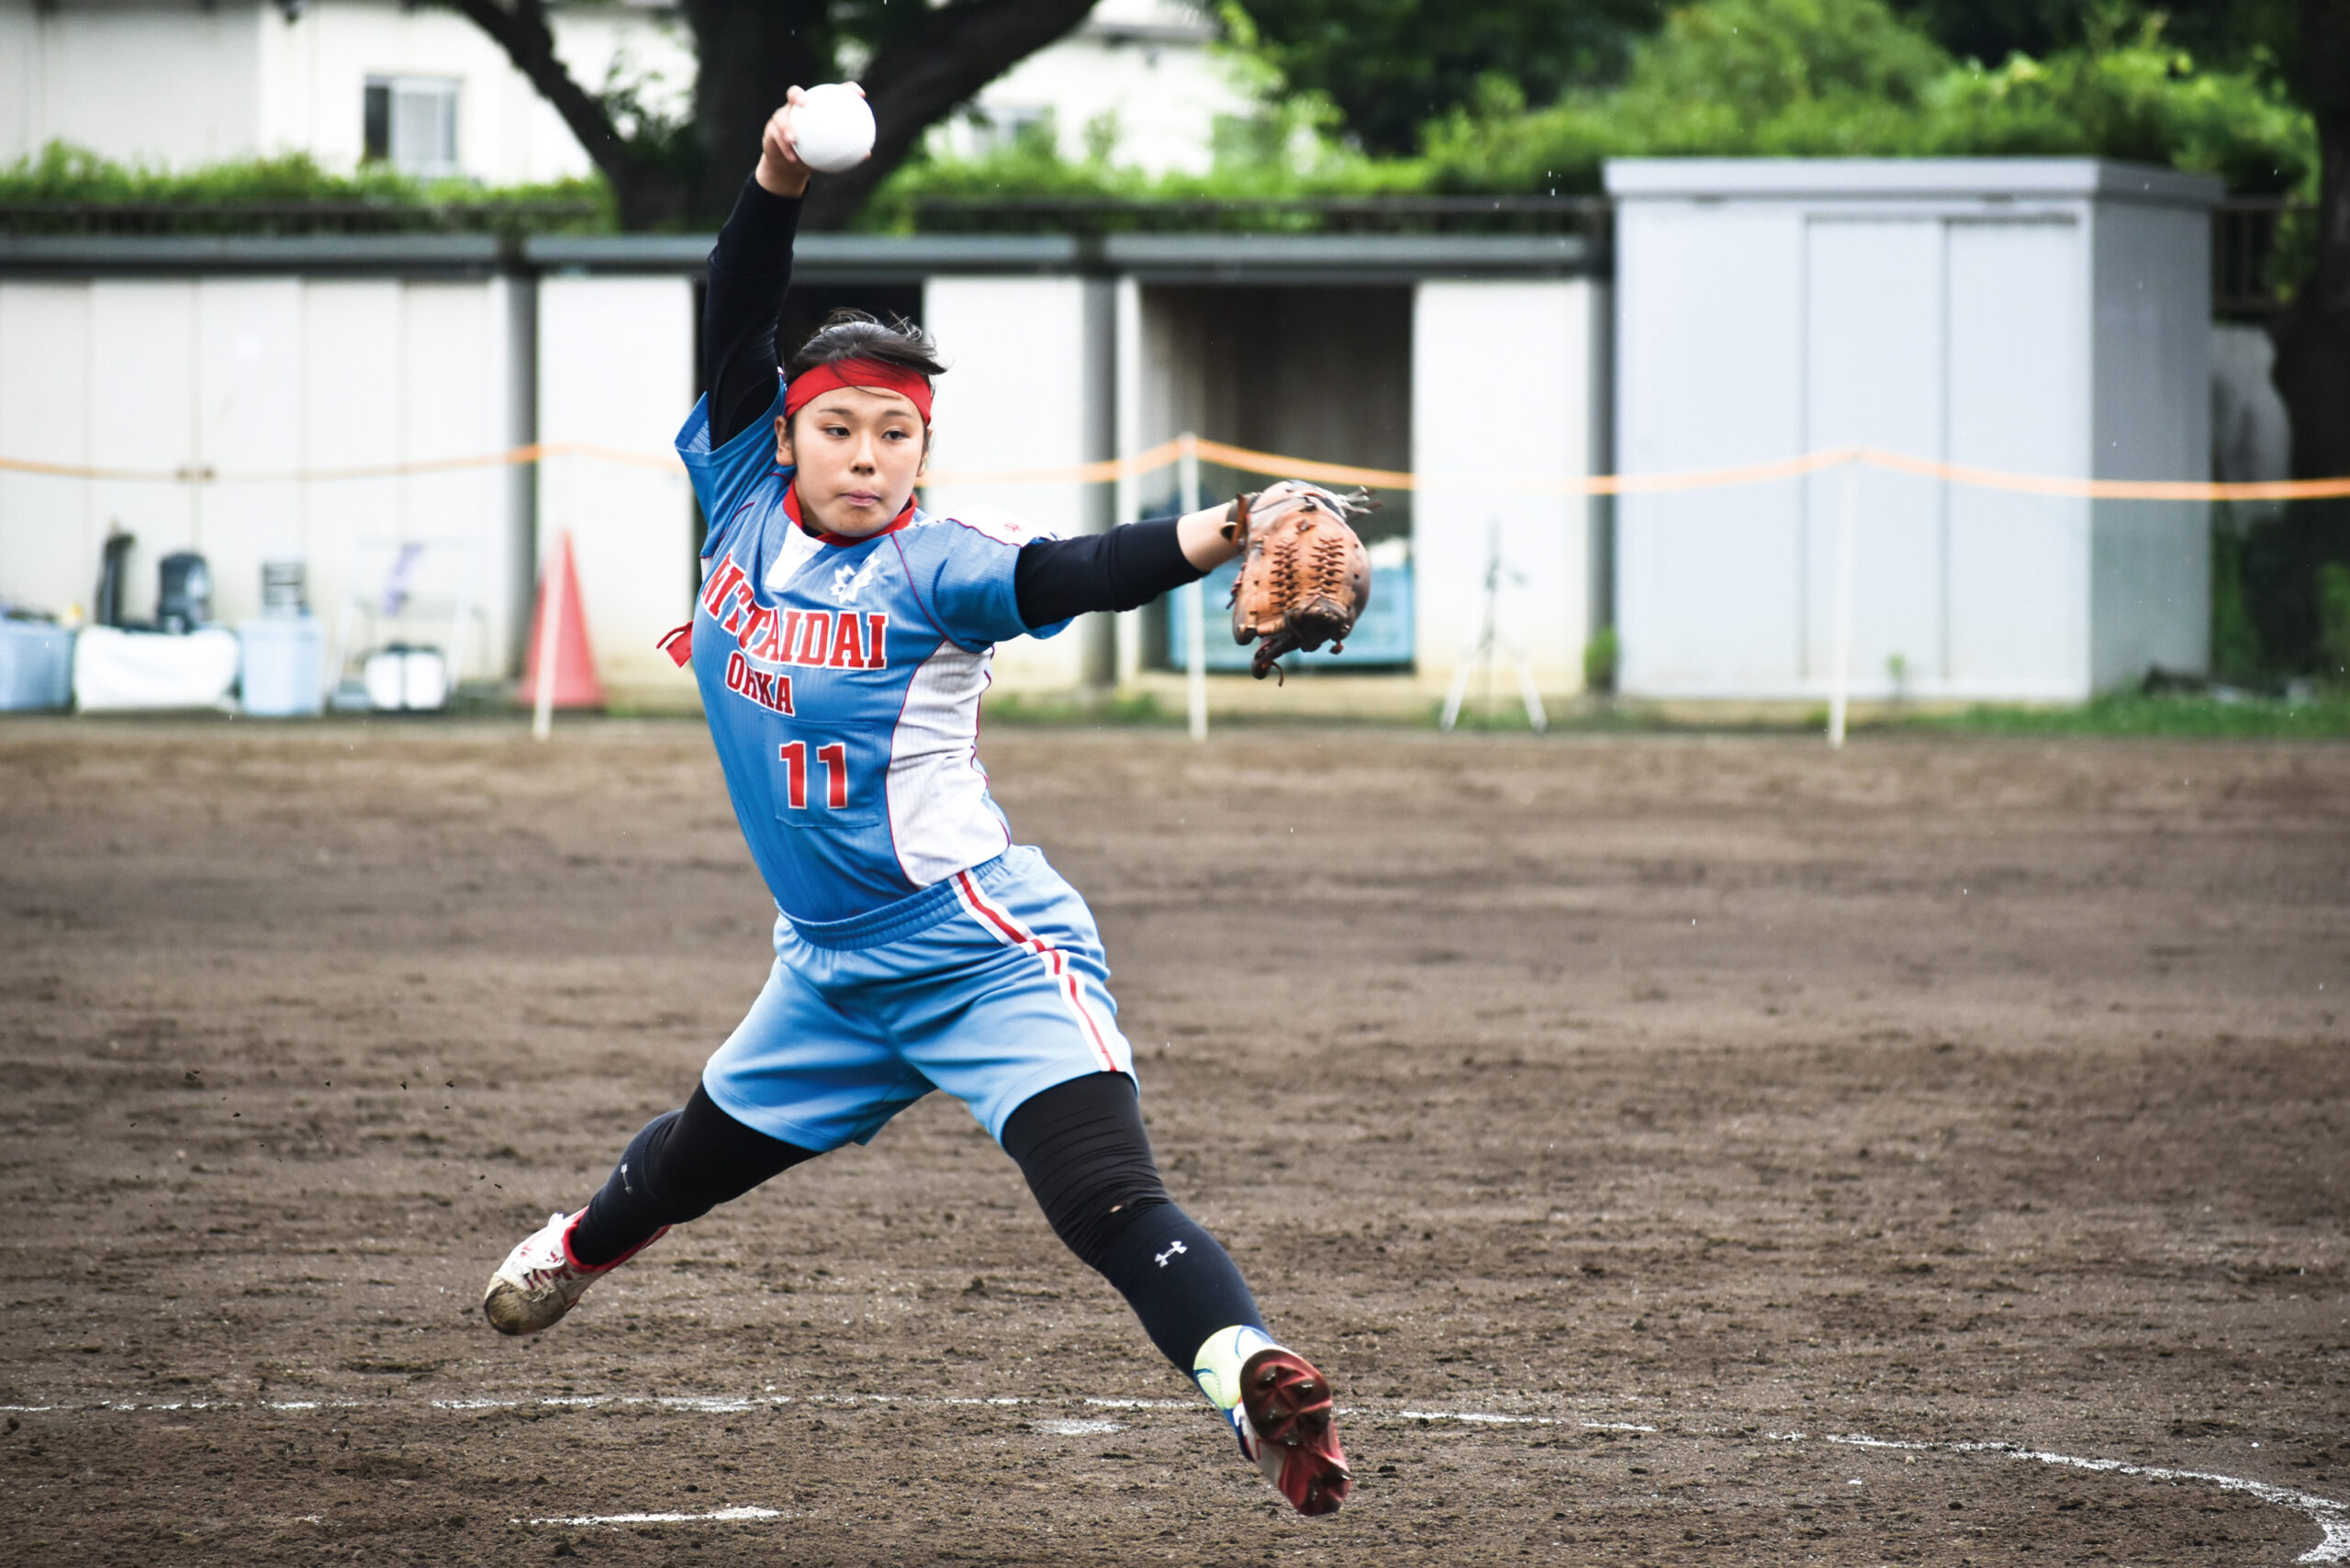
680	1165
1181	1283
1083	1147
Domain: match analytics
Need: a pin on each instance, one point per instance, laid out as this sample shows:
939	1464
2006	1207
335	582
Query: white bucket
282	667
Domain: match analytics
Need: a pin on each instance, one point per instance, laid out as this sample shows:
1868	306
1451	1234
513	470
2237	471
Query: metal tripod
1490	642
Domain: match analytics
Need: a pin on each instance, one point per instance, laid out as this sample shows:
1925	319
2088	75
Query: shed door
1873	374
2019	563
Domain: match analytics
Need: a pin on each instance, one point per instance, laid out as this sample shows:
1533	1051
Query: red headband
868	375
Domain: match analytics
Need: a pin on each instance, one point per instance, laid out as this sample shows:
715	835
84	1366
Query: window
411	122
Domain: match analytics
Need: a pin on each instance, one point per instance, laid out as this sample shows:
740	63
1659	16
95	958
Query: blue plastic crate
36	665
1381	639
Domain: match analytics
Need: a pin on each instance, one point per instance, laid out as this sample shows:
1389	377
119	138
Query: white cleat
540	1280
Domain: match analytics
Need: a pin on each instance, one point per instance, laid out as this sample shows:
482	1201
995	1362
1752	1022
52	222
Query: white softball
832	128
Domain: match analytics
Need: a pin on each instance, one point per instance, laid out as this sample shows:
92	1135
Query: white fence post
1195	631
1840	691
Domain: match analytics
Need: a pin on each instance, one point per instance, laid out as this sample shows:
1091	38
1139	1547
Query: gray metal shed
2045	316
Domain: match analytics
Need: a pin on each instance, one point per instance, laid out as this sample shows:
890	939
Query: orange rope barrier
1102	471
2107	489
1714	478
205	473
1273	463
1248	460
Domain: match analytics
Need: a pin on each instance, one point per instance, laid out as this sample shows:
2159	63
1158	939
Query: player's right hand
780	172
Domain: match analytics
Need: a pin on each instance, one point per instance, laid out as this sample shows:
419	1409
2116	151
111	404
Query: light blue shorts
991	985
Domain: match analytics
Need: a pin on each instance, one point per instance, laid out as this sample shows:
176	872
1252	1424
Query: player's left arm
1123	568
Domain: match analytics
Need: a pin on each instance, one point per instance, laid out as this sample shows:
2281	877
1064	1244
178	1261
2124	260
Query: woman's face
860	454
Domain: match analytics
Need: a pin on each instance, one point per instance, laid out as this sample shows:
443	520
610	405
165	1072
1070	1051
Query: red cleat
1290	1415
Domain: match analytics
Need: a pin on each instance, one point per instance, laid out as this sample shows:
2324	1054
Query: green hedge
65	189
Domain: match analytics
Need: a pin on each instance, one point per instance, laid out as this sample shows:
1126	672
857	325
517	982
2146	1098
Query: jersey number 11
833	759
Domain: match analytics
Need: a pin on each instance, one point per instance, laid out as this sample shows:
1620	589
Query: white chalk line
723	1517
711	1405
2332	1517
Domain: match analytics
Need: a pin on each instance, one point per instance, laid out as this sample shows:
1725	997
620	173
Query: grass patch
2320	716
1010	707
1585	715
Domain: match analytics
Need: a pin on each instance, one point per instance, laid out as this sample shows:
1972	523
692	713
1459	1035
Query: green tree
2312	337
2302	48
2333	621
1390	66
2231	34
1826	78
2142	99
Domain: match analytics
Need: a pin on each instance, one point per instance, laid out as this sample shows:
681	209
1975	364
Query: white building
1148	72
2038	315
177	83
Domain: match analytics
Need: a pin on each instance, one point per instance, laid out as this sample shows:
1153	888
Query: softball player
842	641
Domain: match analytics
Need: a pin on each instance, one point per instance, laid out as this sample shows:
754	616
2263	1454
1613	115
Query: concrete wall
178	85
616	362
1029	389
229	357
1488	432
251	376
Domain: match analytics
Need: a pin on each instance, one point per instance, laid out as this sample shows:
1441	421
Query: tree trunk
750	51
924	76
2312	368
2313	336
646	190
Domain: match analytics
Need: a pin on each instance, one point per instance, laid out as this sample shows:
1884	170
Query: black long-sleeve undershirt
1124	568
750	271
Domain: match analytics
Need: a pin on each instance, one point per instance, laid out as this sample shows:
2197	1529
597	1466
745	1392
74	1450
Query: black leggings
1080	1144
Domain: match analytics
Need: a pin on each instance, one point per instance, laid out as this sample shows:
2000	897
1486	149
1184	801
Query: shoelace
558	1264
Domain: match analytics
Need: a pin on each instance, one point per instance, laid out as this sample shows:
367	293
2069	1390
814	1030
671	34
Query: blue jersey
842	680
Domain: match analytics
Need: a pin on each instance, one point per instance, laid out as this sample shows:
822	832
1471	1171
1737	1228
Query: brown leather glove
1305	580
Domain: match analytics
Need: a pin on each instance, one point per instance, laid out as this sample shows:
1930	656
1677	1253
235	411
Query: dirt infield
1627	1125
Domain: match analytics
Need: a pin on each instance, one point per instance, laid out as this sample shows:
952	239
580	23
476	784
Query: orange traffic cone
573	684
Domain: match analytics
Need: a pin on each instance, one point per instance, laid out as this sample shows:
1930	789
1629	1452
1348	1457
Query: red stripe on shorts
1012	933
